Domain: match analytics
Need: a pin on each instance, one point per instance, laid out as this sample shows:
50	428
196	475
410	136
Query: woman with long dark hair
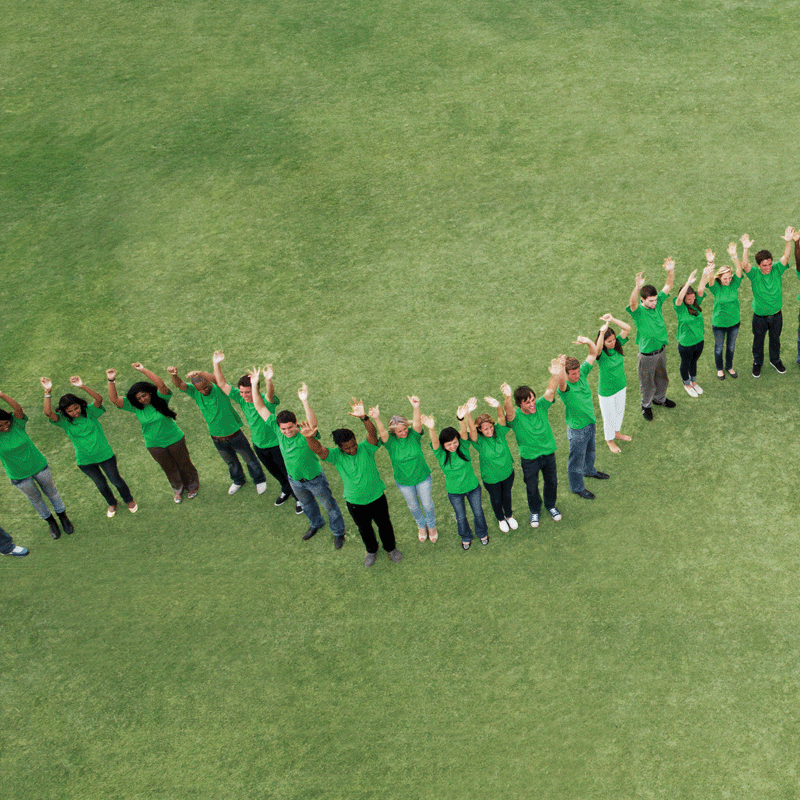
691	329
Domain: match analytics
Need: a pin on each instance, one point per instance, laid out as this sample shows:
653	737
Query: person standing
691	327
8	548
727	316
612	384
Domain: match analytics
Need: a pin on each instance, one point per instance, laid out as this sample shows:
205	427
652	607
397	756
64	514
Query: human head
71	406
287	422
610	341
522	394
5	420
724	275
649	295
245	388
485	425
144	393
764	261
345	440
449	438
398	425
573	369
201	384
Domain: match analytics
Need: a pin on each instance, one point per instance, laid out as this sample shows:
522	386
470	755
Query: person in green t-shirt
224	427
796	238
411	472
452	453
767	304
26	467
612	385
691	327
149	402
265	443
81	422
726	316
651	339
364	490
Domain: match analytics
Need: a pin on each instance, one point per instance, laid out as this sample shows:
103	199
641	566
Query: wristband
365	418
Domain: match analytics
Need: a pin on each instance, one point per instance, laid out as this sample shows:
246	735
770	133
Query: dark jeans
238	444
500	497
460	507
174	460
719	342
6	543
773	324
95	472
272	459
689	357
378	512
530	474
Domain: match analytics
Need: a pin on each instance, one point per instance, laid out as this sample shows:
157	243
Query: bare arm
508	403
685	288
375	414
302	393
735	259
111	377
79	384
270	386
787	250
557	375
258	401
747	243
634	303
15	406
592	357
176	379
471	429
669	266
624	328
47	385
495	404
416	422
706	277
358	411
219	378
310	432
430	424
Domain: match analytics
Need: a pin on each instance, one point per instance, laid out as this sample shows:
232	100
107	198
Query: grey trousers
653	380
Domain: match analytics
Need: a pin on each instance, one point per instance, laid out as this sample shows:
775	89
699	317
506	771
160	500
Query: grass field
380	200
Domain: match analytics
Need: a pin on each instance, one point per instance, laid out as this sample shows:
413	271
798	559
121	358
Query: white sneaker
261	487
503	526
234	488
18	551
512	523
690	391
697	388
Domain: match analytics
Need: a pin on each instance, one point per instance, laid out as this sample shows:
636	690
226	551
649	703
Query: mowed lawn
381	200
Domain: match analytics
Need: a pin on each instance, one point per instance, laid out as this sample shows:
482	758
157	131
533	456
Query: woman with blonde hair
726	316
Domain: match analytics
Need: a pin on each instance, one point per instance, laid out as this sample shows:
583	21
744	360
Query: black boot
65	523
55	531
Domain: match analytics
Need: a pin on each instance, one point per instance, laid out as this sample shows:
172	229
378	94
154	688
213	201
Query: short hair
69	400
480	419
342	435
522	393
648	290
195	379
245	381
285	416
762	255
571	363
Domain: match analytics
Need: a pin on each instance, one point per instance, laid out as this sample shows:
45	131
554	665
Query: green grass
381	200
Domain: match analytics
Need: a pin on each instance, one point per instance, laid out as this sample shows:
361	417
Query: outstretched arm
47	385
557	374
634	303
258	400
219	378
508	403
747	243
269	387
15	406
152	377
111	377
708	274
416	422
495	404
179	382
357	407
430	424
669	266
624	328
685	288
310	432
735	259
590	359
787	250
302	393
472	431
375	415
79	384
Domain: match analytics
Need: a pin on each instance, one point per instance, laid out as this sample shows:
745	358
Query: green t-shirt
494	457
726	311
359	473
262	434
158	430
408	463
767	289
301	463
577	399
690	329
611	369
86	435
534	434
21	458
217	410
459	477
651	331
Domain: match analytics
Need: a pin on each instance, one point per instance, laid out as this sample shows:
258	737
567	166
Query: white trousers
613	410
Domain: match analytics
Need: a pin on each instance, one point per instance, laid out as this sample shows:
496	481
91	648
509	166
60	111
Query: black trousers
378	512
272	459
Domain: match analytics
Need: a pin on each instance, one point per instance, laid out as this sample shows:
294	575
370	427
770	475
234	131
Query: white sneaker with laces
512	523
503	525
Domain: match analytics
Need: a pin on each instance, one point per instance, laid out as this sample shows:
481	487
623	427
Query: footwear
503	526
667	403
370	559
396	556
234	487
778	366
282	498
647	413
585	494
298	508
134	508
178	498
603	476
697	389
733	373
310	532
690	390
466	545
512	523
111	511
555	514
422	534
534	520
65	523
192	495
55	531
338	542
756	370
721	375
433	534
485	541
18	551
261	487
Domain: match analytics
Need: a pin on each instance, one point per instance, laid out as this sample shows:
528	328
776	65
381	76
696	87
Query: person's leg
425	494
647	386
474	497
272	459
227	452
577	456
99	480
660	377
29	488
111	470
550	476
608	412
241	446
530	475
686	358
380	513
507	485
410	495
306	498
362	516
719	342
322	491
163	457
188	472
495	491
697	351
775	329
45	481
460	508
733	333
590	435
760	326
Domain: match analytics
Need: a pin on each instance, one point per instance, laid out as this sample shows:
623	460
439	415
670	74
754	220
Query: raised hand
76	381
414	400
708	272
461	411
471	404
583	340
111	374
556	367
47	384
191	375
640	279
302	393
607	319
789	234
505	389
269	372
562	359
137	365
307	429
171	370
604	326
492	402
710	256
253	374
428	422
358	408
692	277
746	241
732	249
669	264
218	357
374	412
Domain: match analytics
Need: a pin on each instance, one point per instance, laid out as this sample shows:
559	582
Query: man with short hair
575	393
767	304
224	427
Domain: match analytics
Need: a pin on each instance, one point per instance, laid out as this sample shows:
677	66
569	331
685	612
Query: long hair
70	400
692	308
447	435
158	403
617	345
480	419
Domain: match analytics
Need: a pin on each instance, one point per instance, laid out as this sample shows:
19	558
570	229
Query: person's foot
422	534
282	498
65	523
191	495
261	487
485	541
690	390
18	551
433	534
338	542
534	520
603	476
234	487
370	559
133	507
647	413
396	556
111	511
466	545
311	532
666	404
555	514
721	374
697	388
614	448
298	507
178	498
623	437
733	373
756	370
512	523
503	526
778	366
585	494
55	531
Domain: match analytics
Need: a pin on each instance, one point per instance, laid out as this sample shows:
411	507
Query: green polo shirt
459	477
301	463
158	430
534	434
217	410
767	289
408	463
20	457
359	473
690	328
577	399
727	312
611	369
262	434
87	436
651	331
494	457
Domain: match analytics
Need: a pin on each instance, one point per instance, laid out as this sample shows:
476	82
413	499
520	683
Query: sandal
423	534
433	534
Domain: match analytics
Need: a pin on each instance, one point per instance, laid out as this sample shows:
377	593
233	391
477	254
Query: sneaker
512	523
778	366
585	494
134	508
756	370
555	514
18	551
235	488
370	559
298	508
697	388
395	555
690	390
111	511
466	545
666	404
282	498
192	495
534	520
55	531
647	413
178	497
338	542
261	487
503	526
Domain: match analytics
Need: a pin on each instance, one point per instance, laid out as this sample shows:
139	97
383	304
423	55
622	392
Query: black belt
655	352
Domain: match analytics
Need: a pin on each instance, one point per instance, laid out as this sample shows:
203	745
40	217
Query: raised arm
708	275
669	266
79	384
375	415
472	431
258	400
269	386
624	328
747	243
634	303
357	407
152	377
601	336
15	406
508	403
111	377
796	238
47	385
416	422
310	432
302	393
430	424
176	379
685	288
736	263
495	404
787	250
219	378
557	374
592	357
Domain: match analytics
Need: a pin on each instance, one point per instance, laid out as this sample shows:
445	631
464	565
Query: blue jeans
420	502
45	479
95	472
307	494
732	333
228	448
6	543
581	456
460	507
531	467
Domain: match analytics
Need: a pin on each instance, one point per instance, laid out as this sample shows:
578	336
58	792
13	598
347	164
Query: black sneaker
666	404
298	508
778	366
756	370
647	413
282	498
